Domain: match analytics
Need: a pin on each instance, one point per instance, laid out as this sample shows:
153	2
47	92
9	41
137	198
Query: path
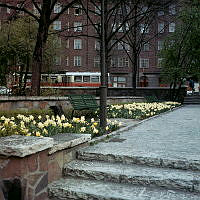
159	159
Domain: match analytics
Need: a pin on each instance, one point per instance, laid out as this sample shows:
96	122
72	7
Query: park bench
83	102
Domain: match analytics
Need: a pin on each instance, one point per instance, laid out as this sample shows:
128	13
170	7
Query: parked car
4	90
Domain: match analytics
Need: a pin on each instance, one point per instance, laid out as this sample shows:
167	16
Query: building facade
80	48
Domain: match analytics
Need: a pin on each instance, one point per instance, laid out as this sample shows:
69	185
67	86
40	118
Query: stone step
134	174
184	164
80	189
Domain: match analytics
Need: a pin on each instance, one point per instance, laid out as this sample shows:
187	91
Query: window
146	47
97	45
120	46
161	13
86	79
161	27
97	28
114	27
67	26
78	26
159	63
57	8
144	28
160	45
123	46
77	60
57	60
77	44
97	61
67	43
67	61
57	42
95	79
57	25
78	10
20	12
119	62
119	81
78	79
144	10
144	63
172	9
35	10
172	27
119	27
8	10
97	10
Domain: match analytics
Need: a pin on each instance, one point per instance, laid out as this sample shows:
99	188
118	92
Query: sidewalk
175	135
158	159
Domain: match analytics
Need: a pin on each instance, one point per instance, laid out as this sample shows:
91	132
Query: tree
181	53
44	17
17	42
110	25
143	29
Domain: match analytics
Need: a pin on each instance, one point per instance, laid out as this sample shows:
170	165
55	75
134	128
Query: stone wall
28	164
27	103
24	167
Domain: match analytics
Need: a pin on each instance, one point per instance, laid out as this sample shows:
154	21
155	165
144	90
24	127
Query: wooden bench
83	102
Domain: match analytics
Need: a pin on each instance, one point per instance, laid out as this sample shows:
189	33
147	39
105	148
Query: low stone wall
28	164
27	103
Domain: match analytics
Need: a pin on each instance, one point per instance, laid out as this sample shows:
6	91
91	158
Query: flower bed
48	126
139	110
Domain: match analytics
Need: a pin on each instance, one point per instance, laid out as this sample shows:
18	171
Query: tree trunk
38	53
103	87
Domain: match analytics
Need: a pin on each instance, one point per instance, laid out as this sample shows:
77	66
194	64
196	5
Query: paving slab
174	179
97	190
174	136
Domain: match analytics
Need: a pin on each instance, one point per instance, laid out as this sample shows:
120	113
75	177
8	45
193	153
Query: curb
126	128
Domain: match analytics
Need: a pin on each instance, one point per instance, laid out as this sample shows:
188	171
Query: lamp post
103	87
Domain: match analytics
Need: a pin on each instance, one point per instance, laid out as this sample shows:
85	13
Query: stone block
43	160
21	146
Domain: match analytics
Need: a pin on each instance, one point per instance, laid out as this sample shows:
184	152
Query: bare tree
109	27
44	17
144	16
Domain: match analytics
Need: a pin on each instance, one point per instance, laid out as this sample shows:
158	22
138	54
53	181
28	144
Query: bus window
86	79
95	79
77	78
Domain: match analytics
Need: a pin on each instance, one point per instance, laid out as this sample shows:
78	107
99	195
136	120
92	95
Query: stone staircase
193	99
100	176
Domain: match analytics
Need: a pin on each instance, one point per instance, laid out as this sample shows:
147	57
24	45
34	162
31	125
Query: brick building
79	52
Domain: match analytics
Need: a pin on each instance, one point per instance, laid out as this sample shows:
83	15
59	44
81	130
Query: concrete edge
126	128
70	143
21	146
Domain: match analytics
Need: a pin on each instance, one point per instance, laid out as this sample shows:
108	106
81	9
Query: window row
144	28
77	61
115	61
145	62
78	10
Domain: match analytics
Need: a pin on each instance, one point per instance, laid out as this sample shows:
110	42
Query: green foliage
151	99
17	44
182	49
34	112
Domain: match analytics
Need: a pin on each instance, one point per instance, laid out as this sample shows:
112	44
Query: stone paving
175	135
156	160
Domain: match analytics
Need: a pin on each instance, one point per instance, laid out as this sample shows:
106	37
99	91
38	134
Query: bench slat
83	102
